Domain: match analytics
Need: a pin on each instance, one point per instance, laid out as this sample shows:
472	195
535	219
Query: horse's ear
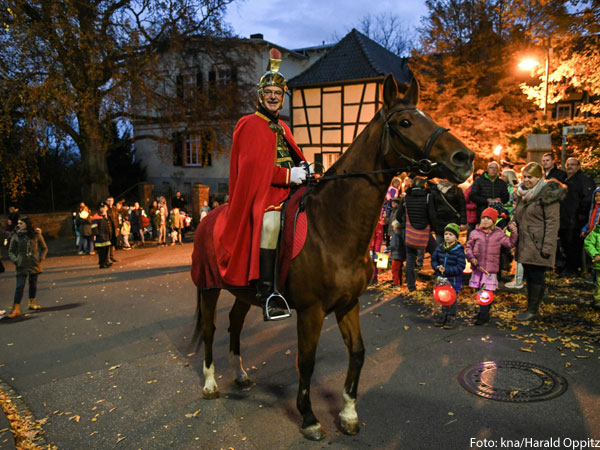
413	92
390	92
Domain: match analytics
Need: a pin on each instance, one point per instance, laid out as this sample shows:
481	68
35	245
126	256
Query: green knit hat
452	228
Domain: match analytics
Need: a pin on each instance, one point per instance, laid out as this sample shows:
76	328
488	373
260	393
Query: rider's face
273	98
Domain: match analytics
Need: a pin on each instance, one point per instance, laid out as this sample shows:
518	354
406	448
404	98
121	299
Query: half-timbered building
334	99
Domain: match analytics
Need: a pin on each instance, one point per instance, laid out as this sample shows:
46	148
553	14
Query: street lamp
528	64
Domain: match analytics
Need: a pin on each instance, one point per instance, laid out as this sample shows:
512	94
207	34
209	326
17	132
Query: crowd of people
103	231
541	221
116	226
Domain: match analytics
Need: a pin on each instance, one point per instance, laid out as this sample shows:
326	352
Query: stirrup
278	297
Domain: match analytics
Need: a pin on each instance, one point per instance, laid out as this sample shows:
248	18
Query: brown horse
334	268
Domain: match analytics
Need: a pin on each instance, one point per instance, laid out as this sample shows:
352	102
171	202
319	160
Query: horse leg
236	323
349	323
309	329
207	308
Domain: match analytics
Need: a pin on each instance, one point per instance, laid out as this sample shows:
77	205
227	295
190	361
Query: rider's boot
274	310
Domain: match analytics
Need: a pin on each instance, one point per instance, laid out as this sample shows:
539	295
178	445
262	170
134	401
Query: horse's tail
197	338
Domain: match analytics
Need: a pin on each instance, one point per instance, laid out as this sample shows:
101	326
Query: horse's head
413	140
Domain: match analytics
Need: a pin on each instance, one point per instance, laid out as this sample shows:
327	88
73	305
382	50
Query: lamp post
529	64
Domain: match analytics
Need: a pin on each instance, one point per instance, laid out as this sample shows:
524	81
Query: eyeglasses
278	94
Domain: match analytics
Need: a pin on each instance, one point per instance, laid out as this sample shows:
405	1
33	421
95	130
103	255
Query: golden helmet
272	77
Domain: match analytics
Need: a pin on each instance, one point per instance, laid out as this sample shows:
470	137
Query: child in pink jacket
483	252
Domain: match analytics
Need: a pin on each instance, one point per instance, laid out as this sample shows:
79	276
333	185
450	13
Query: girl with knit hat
483	252
448	261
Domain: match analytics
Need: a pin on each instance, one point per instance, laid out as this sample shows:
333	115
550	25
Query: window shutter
179	82
178	149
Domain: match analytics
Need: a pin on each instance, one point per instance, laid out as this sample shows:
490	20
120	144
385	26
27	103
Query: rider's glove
297	175
308	167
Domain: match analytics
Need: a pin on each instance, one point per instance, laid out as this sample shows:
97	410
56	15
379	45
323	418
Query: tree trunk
95	178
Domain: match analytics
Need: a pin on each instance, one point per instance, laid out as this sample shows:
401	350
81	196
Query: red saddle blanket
205	271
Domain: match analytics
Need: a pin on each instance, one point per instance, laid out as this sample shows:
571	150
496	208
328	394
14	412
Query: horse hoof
242	382
210	395
349	426
314	432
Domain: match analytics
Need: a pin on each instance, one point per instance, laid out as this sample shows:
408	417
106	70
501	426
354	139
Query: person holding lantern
483	252
538	214
448	260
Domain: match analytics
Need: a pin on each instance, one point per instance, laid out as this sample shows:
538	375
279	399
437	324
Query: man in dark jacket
574	211
449	205
113	217
550	169
417	209
488	188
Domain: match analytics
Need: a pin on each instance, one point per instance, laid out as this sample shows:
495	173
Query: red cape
255	184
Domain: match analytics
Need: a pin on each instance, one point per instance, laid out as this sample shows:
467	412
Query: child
592	248
397	253
125	232
375	246
594	213
483	252
448	260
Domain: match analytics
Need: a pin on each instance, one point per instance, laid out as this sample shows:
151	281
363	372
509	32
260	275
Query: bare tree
390	31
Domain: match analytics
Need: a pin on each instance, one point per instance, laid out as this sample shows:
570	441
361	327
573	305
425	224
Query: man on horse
264	165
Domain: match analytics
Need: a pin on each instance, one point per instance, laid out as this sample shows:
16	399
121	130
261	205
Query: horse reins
423	165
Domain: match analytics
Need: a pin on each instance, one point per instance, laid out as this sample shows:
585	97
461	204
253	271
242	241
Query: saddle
205	271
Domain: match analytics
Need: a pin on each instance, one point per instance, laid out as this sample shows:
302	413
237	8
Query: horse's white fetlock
240	377
348	416
211	390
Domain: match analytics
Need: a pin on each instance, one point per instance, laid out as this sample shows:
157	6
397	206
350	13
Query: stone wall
54	225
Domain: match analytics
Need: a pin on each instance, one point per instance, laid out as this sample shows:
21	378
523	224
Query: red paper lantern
444	294
484	297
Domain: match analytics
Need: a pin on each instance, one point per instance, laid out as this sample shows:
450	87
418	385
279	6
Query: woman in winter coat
417	212
538	214
27	250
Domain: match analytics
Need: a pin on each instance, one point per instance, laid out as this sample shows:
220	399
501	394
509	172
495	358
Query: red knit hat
491	213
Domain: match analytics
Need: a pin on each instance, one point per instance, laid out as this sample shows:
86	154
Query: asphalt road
109	363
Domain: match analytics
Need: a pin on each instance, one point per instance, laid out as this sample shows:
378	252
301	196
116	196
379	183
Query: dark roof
355	57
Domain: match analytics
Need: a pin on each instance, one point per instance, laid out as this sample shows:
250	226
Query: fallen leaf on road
75	418
513	394
527	349
114	367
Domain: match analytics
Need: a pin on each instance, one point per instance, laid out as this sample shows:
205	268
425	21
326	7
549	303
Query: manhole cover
512	381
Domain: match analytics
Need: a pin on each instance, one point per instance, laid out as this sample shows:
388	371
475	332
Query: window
197	150
189	84
218	77
563	111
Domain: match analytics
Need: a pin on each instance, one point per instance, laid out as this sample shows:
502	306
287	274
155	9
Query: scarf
444	186
528	195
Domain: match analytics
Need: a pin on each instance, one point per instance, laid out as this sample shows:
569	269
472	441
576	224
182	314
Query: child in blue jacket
448	260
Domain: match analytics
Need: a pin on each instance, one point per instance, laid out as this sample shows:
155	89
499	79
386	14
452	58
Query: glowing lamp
484	297
444	294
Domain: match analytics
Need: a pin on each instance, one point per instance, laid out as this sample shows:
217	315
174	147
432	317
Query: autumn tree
467	64
76	65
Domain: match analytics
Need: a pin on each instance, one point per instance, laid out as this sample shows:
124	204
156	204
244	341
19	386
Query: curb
23	410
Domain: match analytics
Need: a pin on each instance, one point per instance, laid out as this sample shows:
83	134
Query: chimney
257	36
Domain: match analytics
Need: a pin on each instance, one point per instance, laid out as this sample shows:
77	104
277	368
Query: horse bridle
423	165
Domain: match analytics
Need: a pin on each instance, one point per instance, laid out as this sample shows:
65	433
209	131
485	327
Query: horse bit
424	165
